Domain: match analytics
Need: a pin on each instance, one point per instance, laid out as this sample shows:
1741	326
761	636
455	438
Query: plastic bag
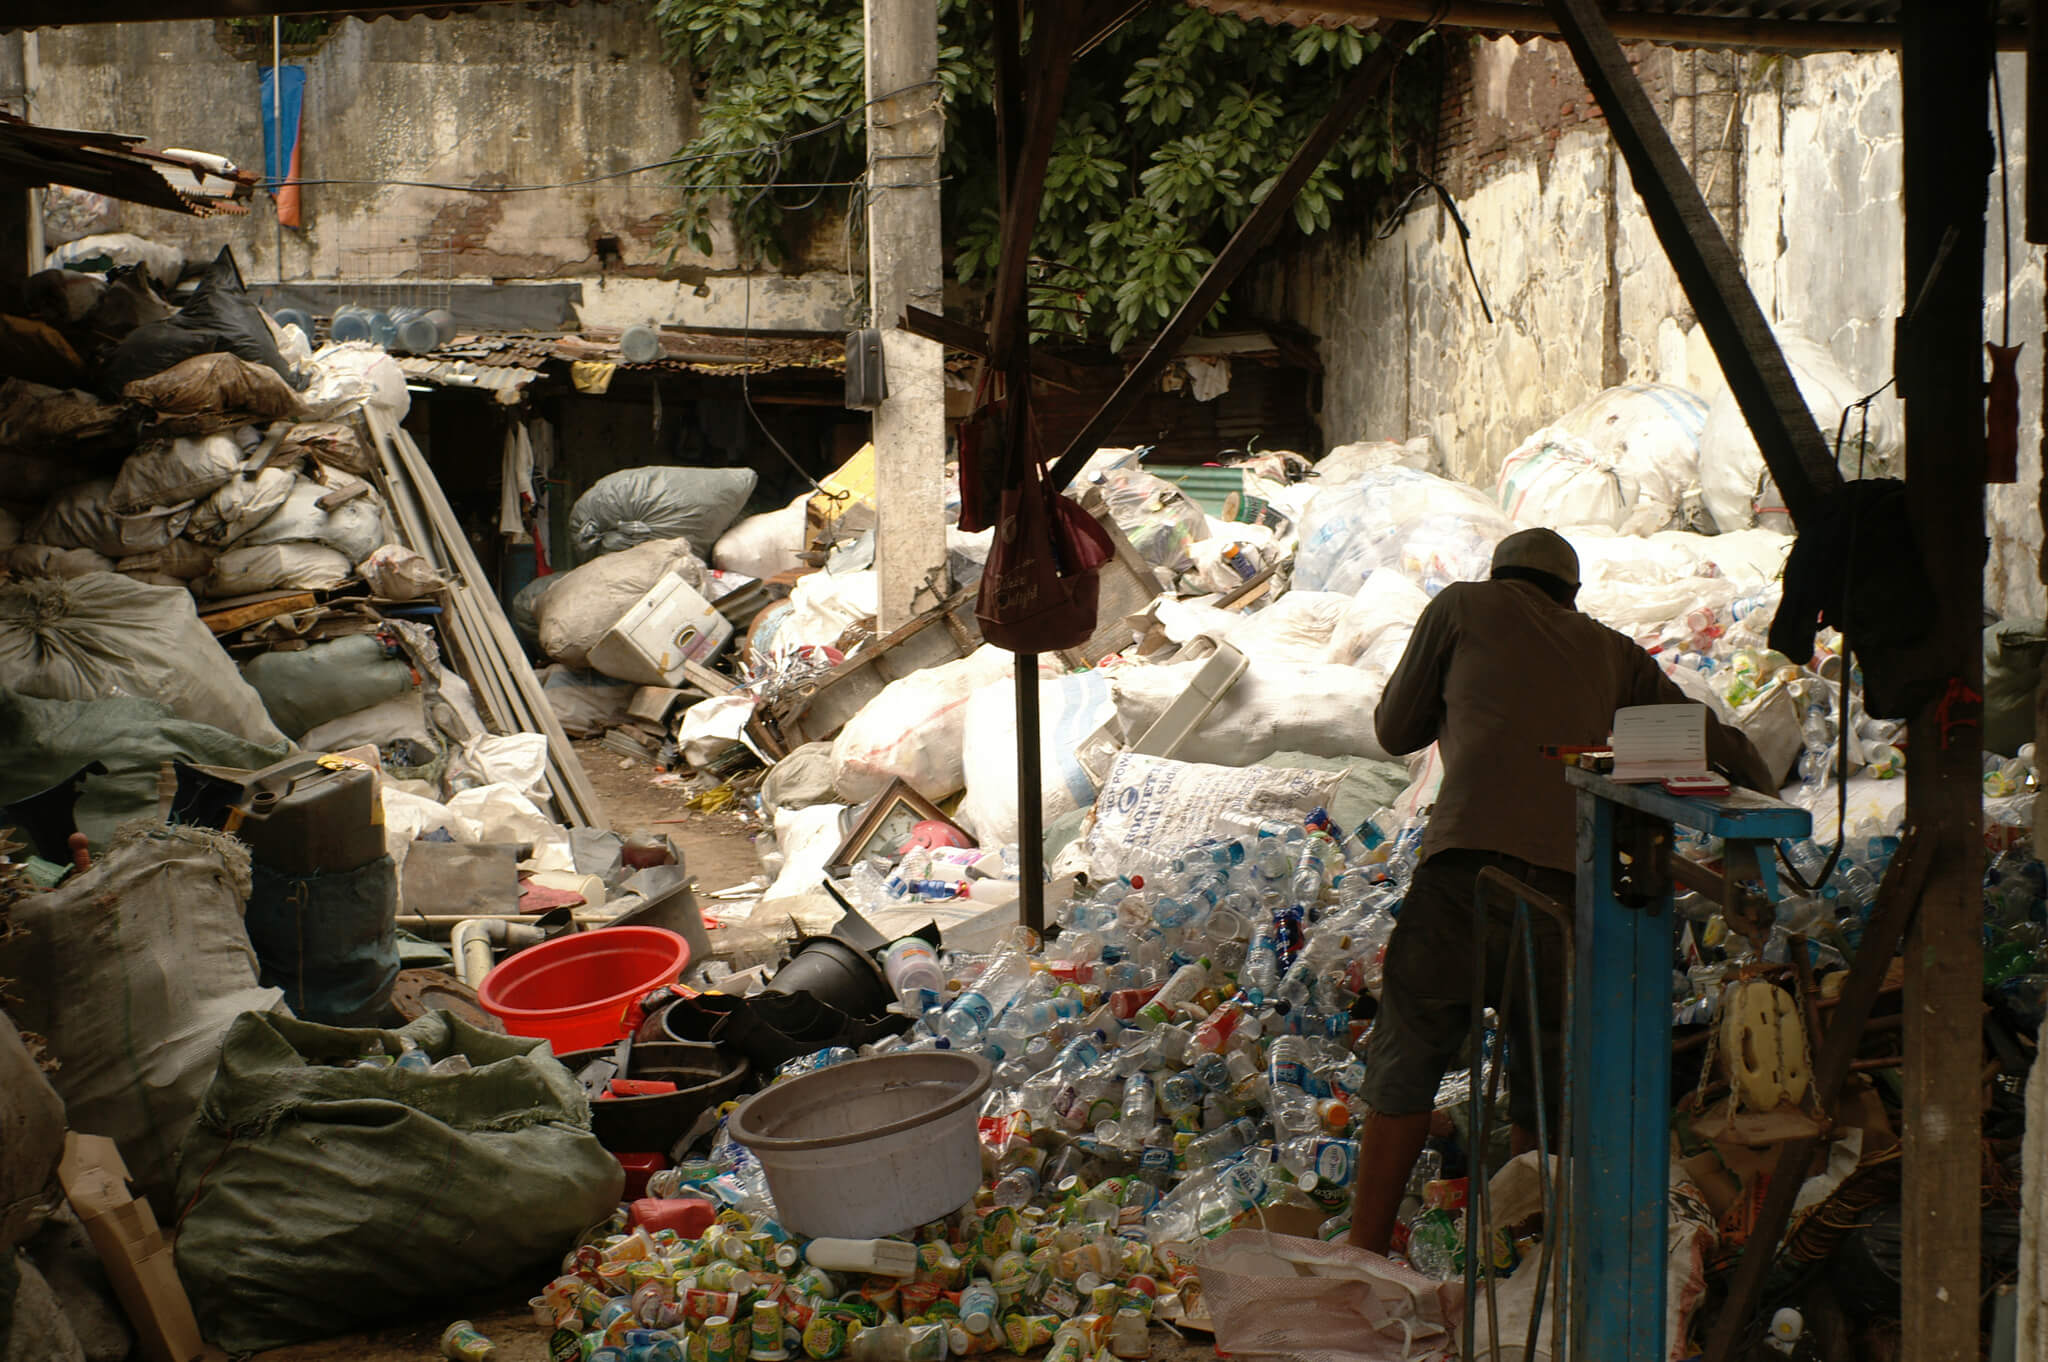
582	605
82	517
245	570
307	687
350	376
1159	519
1555	480
1071	708
1432	531
1650	434
1155	802
180	560
402	718
212	392
763	545
354	528
518	760
132	972
33	417
1276	1295
167	471
914	729
105	635
386	1192
396	573
47	560
586	703
127	303
1348	463
1320	708
635	505
239	506
331	444
503	814
114	250
710	726
1734	484
220	316
824	605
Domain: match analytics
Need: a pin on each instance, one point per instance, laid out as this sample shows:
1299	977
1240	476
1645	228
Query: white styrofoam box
670	625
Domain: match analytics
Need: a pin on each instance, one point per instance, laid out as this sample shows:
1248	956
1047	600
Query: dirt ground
718	848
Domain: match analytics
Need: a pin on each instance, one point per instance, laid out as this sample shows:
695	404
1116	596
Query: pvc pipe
474	938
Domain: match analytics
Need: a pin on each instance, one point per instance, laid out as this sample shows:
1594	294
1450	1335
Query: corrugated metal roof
704	353
119	166
1793	25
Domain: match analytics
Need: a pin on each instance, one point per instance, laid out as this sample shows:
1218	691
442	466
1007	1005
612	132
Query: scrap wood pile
1176	1068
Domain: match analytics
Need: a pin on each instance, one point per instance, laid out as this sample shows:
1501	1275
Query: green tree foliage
1172	131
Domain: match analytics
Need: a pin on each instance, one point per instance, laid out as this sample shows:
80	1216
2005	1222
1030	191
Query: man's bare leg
1387	1149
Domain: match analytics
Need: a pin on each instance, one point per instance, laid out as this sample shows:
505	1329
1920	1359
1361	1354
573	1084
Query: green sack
2013	650
320	1200
303	689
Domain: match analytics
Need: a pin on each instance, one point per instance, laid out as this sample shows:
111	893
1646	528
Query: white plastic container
871	1147
665	628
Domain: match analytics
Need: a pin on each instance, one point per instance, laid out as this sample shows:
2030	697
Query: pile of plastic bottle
1180	1057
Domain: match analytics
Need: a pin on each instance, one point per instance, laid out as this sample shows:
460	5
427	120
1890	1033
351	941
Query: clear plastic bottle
978	1306
969	1016
1289	1103
1261	973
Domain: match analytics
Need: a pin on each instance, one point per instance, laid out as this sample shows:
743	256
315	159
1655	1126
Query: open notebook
1659	742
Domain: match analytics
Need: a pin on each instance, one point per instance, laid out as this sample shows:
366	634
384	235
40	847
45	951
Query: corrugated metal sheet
1206	484
120	167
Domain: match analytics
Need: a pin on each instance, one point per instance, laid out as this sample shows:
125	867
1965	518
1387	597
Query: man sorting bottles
1495	670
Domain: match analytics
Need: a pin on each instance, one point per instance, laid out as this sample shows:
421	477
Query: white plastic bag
915	729
825	605
1070	709
1650	434
1156	802
47	560
397	573
1431	530
1349	463
1554	479
408	817
247	569
1320	708
1735	485
711	726
515	760
1159	519
352	375
763	545
354	528
503	814
165	472
586	703
239	505
807	838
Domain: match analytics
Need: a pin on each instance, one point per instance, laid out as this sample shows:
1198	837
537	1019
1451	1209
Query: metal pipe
474	942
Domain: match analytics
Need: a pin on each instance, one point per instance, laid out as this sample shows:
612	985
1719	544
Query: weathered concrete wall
504	96
1801	161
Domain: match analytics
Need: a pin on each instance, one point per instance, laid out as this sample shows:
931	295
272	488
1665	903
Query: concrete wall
505	96
1801	162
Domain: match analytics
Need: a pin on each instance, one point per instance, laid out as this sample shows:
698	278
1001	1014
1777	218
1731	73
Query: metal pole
277	135
1030	803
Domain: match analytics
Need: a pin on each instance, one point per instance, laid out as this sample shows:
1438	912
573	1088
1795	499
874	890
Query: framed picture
885	825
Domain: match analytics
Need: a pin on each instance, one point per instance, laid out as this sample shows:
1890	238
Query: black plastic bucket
831	971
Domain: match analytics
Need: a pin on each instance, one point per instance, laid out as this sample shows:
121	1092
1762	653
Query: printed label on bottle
972	1004
1289	1071
1333	1162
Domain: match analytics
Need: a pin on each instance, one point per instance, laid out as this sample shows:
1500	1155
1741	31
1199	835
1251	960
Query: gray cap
1540	551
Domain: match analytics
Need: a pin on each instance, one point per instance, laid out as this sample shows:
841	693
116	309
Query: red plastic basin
575	990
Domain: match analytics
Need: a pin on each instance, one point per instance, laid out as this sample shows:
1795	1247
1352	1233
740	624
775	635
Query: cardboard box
669	626
132	1248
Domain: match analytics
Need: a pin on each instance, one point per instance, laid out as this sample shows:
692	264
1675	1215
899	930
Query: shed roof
1786	25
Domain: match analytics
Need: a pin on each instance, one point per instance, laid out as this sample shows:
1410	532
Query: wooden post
1944	67
1706	266
905	132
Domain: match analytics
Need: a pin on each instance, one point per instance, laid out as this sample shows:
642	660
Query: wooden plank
1051	65
1251	236
1944	71
242	616
1706	266
964	338
2035	226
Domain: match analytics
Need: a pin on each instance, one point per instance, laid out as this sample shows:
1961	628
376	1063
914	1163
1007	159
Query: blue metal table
1620	1046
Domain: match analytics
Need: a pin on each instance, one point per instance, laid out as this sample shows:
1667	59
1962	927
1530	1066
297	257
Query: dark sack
220	316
